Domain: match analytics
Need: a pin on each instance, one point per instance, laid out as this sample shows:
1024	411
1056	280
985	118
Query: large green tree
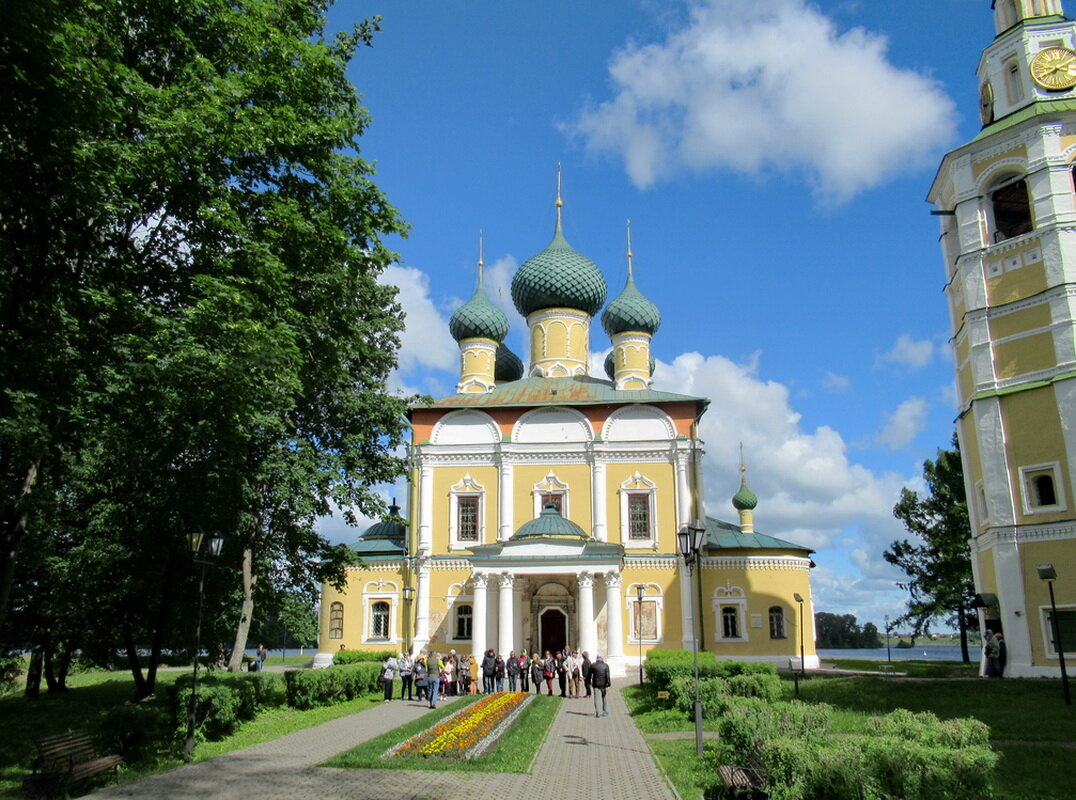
938	560
191	327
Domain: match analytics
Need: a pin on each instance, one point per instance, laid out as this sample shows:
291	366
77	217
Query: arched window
1011	209
777	622
730	623
336	621
1044	490
379	620
1010	13
1014	85
464	621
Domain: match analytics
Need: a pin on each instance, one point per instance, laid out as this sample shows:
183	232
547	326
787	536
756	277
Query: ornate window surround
1048	634
459	594
631	602
724	597
384	592
336	612
551	484
638	484
1027	474
466	487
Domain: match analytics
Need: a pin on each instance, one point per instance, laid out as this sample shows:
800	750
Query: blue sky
773	157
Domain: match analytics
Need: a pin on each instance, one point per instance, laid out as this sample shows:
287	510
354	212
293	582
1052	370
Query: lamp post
640	593
1049	574
690	540
888	653
194	541
409	595
803	661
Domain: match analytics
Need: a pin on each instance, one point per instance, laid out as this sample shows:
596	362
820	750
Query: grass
913	668
690	777
93	693
515	751
658	716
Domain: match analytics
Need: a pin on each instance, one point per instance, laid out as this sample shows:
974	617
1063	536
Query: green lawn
515	752
913	669
87	703
1032	729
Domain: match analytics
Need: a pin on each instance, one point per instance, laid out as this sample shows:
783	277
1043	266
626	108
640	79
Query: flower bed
469	732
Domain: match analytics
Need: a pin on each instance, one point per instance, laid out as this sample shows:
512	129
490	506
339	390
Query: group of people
431	676
994	650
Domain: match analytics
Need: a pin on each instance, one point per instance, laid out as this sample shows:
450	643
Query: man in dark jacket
600	681
488	661
586	671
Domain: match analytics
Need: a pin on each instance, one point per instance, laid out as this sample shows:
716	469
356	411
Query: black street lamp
1049	574
409	595
640	593
213	545
888	654
690	539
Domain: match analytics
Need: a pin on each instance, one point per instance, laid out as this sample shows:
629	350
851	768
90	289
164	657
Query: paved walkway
583	757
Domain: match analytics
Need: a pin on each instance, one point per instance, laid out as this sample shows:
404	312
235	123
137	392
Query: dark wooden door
554	626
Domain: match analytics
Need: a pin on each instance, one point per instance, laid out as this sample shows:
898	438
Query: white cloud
904	424
767	85
909	352
835	383
425	341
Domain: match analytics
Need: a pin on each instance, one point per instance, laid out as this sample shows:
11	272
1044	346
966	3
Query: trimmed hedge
224	701
309	688
716	692
662	666
344	657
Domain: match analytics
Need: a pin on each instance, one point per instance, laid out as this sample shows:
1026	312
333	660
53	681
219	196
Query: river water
921	652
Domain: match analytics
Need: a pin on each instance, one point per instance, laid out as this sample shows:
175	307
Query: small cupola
745	501
631	321
479	327
1010	12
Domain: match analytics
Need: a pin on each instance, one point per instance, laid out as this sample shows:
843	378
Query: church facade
545	502
1007	208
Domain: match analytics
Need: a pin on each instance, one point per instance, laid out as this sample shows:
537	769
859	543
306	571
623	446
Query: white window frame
380	592
784	621
653	595
456	597
343	611
550	484
466	487
1027	493
638	484
723	597
1048	633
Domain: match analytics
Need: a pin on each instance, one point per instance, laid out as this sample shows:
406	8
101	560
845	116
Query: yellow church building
545	503
1007	207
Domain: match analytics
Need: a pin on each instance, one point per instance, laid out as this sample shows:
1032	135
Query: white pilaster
507	616
598	492
686	581
504	502
425	510
517	620
478	621
492	613
422	603
683	491
588	631
614	615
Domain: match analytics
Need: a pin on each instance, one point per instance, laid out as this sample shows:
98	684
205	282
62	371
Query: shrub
664	665
225	700
343	657
11	666
132	729
766	685
927	729
713	692
336	684
750	721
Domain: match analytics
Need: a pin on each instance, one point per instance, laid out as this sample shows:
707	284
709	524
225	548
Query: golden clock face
986	103
1054	68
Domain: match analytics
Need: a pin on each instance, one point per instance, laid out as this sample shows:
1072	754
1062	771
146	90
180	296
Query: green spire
478	317
631	311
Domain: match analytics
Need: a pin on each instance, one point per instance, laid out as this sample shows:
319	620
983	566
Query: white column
492	613
504	502
614	615
588	631
683	491
507	616
425	510
517	621
422	615
478	621
686	588
598	490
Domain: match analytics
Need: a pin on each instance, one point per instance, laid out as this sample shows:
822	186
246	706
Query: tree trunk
164	610
247	612
33	672
11	533
132	660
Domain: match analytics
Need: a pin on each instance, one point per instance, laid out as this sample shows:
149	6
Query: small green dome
550	523
478	318
744	500
558	277
391	527
610	364
631	311
508	367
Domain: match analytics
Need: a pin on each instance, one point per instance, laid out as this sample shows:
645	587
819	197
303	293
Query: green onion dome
508	367
631	311
558	277
392	527
745	499
550	523
478	318
610	364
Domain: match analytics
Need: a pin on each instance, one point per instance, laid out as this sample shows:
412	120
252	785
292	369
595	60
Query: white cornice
1016	534
756	562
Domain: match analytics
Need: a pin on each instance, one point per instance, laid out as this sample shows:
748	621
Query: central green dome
550	524
558	277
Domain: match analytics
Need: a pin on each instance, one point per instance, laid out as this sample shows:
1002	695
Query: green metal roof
722	535
631	311
549	524
379	547
558	277
1037	109
507	365
579	390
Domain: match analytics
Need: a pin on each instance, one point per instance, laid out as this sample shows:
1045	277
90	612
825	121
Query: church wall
1017	152
463	477
1028	319
1008	287
1034	437
660	577
664	476
1058	553
577	476
1023	355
